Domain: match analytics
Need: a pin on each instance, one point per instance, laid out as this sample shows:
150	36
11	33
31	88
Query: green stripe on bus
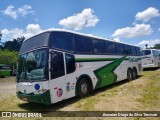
96	59
105	74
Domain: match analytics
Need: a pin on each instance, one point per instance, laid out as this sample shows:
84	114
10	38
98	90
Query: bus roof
78	33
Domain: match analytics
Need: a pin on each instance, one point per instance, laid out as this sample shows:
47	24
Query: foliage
9	50
14	45
0	38
8	57
156	46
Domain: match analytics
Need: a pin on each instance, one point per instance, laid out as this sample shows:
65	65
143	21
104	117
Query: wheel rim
134	74
84	87
129	75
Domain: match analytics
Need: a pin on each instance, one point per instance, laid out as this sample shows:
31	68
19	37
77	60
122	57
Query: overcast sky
136	22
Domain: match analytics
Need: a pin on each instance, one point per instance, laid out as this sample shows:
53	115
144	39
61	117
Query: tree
8	57
0	37
156	46
146	46
20	40
14	45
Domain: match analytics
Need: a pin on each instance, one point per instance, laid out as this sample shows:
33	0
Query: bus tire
83	88
129	75
159	65
134	73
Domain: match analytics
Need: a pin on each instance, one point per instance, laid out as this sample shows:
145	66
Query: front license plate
25	99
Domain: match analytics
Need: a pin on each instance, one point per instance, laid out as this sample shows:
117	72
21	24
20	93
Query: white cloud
147	14
158	29
150	43
136	31
31	29
80	20
116	39
14	13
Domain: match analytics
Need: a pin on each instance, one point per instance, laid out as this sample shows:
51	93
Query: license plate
25	99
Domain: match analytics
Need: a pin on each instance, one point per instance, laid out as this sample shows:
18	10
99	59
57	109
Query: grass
142	94
151	92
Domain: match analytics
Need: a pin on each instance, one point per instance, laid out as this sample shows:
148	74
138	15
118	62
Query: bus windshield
32	66
145	52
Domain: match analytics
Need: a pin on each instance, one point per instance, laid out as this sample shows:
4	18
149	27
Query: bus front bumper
148	66
38	98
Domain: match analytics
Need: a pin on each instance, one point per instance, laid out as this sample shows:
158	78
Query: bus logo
59	92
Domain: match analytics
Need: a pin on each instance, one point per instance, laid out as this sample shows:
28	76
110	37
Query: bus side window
99	46
62	40
82	44
120	49
57	65
70	63
127	49
111	47
133	50
138	51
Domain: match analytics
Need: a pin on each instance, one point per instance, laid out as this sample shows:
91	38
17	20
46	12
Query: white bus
150	58
60	64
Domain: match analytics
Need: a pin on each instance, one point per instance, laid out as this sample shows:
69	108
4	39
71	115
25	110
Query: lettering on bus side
132	59
80	65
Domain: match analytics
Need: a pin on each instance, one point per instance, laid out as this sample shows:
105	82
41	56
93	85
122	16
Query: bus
5	70
59	64
150	58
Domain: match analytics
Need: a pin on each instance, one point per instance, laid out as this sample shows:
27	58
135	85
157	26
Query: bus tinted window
62	40
111	47
37	41
155	53
146	52
82	44
99	46
133	49
138	51
127	49
120	49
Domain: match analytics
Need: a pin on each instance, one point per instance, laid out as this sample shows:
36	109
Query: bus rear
150	58
5	70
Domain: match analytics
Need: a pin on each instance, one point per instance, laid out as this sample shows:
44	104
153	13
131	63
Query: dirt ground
7	87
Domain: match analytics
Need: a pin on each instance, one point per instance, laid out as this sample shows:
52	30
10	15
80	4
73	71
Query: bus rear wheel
129	75
159	65
83	88
134	73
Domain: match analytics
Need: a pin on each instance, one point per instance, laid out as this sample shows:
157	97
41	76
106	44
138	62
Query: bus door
57	82
70	75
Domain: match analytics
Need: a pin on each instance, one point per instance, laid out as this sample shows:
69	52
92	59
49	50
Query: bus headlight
40	91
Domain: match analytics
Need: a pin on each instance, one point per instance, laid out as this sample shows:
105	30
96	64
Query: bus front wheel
83	88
